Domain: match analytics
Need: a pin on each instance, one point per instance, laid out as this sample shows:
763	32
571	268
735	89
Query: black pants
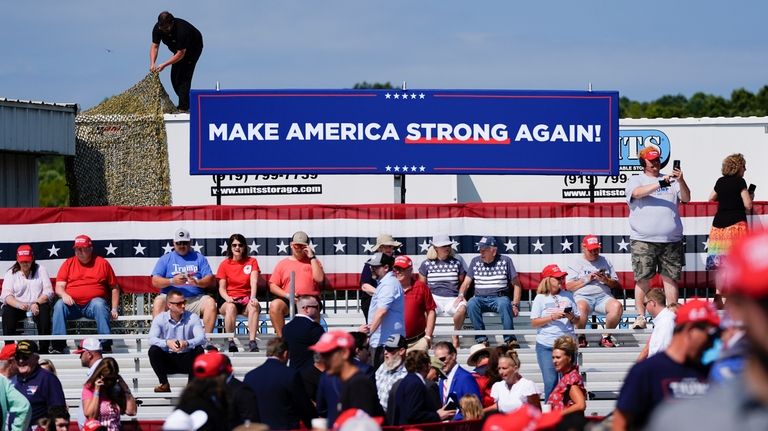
164	363
181	77
12	318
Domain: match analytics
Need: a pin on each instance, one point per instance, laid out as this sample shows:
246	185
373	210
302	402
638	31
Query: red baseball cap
93	425
82	241
24	253
590	242
211	364
403	262
649	153
333	340
697	311
8	352
526	418
745	270
552	270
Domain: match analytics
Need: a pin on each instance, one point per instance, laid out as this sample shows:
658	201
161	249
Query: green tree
51	180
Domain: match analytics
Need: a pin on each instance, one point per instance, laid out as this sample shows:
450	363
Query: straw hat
386	239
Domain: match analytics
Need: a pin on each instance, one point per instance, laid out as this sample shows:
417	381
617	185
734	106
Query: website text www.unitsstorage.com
308	189
598	193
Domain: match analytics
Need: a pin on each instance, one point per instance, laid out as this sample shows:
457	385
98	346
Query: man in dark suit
280	395
303	331
412	403
459	382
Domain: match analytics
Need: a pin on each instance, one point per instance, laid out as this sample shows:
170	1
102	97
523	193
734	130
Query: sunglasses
443	359
648	302
177	303
182	244
236	245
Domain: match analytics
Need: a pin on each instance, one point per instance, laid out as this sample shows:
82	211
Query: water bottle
30	328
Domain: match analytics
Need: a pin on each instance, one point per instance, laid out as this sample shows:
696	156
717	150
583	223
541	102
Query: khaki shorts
194	303
650	258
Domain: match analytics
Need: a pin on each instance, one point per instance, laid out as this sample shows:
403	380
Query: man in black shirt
186	44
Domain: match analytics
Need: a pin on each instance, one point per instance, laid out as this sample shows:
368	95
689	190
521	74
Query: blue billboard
404	132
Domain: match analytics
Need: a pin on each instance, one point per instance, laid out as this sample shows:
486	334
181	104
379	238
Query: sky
82	52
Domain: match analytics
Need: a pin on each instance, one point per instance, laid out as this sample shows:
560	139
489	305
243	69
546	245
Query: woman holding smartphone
553	314
106	396
730	223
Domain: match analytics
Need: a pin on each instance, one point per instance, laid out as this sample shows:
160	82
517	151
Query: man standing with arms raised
656	237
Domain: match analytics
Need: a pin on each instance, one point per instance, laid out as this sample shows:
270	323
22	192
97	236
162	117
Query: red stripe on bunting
313	212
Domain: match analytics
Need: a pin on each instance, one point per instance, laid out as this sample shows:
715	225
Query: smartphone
751	189
568	310
451	404
676	164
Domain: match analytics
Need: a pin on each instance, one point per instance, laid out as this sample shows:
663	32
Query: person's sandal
163	387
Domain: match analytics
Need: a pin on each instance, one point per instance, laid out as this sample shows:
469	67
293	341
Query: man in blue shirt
41	387
188	271
176	337
387	306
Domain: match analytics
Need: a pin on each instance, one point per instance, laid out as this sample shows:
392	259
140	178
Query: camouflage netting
122	151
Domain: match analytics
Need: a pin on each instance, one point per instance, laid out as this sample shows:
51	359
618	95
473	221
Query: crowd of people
390	368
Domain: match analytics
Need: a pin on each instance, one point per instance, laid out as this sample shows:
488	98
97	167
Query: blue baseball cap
485	242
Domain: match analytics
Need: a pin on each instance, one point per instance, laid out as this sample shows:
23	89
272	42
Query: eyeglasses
236	245
178	303
645	303
443	359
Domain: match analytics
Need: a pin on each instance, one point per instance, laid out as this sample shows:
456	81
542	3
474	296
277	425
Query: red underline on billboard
502	96
458	141
288	95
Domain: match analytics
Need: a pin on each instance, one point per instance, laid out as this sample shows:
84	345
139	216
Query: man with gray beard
393	367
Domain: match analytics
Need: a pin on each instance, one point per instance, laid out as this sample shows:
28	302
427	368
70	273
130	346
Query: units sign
411	132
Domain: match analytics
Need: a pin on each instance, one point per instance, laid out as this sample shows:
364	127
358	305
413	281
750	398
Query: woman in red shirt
238	277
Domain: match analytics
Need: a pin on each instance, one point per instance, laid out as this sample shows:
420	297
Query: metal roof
37	127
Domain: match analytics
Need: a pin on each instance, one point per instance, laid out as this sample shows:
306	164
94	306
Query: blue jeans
497	304
548	373
96	309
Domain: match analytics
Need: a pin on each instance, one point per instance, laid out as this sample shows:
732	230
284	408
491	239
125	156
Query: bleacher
603	368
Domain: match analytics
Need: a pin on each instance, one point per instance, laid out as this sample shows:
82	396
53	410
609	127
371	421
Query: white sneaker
639	323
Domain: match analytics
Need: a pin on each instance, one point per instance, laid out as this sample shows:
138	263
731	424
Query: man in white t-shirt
656	230
591	278
663	324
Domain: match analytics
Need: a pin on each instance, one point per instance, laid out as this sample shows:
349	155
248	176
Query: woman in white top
553	314
513	390
27	287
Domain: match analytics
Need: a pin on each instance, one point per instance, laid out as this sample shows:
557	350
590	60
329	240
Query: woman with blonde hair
514	390
553	314
730	222
470	407
106	396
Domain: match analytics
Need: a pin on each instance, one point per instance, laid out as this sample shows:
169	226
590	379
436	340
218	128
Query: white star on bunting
566	245
254	248
706	244
223	247
110	249
138	249
623	245
538	246
368	247
282	247
424	246
312	246
197	247
339	247
168	248
510	246
53	251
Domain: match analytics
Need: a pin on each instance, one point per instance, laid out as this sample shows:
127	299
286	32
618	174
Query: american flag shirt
492	278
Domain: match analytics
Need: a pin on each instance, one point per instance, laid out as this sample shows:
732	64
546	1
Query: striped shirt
491	278
443	275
